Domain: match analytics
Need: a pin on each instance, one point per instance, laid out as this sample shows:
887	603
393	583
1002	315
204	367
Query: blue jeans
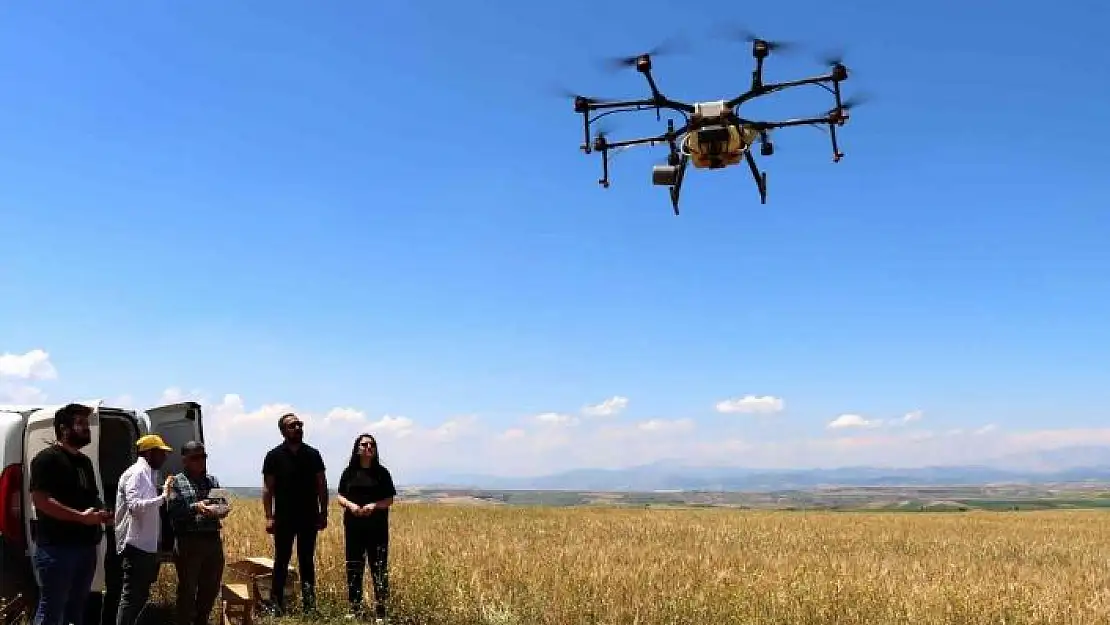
65	578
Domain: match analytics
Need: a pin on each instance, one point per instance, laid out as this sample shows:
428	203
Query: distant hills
1068	464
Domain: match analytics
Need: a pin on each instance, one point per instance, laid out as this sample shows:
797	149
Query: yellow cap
152	441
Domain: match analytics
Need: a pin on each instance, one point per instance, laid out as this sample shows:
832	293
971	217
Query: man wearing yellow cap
139	526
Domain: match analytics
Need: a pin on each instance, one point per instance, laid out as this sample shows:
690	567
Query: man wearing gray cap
199	550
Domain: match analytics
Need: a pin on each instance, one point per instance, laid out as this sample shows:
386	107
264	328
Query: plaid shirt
184	493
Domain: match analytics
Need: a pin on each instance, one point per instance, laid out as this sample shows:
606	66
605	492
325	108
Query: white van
27	430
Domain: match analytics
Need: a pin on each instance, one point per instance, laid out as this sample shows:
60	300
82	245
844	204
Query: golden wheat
456	565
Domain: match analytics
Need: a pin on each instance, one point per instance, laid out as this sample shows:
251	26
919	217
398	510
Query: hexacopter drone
714	135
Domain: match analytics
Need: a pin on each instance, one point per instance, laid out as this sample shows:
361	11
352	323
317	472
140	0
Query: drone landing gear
760	177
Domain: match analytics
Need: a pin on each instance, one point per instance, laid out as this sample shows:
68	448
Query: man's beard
78	441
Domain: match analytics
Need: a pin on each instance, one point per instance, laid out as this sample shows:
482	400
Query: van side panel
40	435
11	438
17	577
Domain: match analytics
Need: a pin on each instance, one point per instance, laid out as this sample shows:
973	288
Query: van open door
38	436
177	424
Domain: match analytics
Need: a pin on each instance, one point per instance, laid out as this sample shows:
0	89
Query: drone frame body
716	125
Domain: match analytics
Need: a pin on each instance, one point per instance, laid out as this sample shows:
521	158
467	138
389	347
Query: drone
714	135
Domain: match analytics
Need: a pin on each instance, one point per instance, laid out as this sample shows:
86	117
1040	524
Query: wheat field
456	565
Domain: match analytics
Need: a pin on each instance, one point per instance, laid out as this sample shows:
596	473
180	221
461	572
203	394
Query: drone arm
804	121
666	103
833	119
765	89
663	138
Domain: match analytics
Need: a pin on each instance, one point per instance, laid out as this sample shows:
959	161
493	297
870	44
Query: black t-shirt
69	478
366	485
295	498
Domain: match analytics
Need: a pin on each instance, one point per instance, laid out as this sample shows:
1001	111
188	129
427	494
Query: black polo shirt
294	473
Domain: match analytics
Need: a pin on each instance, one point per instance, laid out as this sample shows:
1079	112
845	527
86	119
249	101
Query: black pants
362	547
140	570
199	558
305	535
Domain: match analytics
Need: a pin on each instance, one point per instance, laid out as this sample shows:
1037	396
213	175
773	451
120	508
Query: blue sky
381	207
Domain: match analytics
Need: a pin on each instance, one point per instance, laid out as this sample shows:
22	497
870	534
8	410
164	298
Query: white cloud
389	424
21	394
32	365
853	421
16	370
751	404
452	429
664	425
239	434
174	395
556	418
345	415
610	407
912	416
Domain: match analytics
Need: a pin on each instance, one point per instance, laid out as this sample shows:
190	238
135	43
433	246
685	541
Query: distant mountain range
1069	464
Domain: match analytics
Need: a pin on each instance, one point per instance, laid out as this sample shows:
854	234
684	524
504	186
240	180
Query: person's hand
90	516
107	517
322	521
203	509
269	526
168	485
353	509
368	509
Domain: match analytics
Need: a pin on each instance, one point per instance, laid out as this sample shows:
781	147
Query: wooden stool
236	604
252	578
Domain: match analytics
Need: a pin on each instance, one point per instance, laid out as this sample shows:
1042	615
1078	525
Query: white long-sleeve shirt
137	509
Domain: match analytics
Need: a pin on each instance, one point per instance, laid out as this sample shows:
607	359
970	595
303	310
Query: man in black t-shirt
293	474
69	517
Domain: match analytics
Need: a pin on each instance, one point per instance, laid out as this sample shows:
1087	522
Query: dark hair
67	415
281	420
375	462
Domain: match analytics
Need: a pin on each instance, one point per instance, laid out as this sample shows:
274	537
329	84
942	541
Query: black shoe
272	608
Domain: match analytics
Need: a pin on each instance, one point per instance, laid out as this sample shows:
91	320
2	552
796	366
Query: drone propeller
739	33
833	58
567	93
670	46
853	102
835	62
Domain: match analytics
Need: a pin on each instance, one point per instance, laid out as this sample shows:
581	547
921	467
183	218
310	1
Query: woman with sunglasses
366	492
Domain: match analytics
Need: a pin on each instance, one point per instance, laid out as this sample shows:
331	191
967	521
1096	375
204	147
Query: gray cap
192	447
